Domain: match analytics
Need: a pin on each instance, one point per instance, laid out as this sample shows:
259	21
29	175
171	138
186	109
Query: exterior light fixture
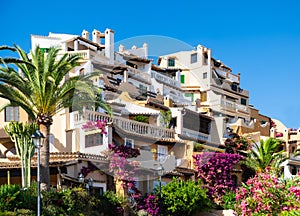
38	139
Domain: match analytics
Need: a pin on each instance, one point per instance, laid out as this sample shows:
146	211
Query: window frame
171	62
244	101
194	58
92	140
128	139
11	113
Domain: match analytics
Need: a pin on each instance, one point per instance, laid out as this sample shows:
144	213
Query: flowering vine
122	168
215	172
93	125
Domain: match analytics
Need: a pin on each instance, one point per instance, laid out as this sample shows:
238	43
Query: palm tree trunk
45	157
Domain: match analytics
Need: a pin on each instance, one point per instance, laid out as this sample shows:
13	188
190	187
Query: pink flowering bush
99	124
265	194
215	172
121	167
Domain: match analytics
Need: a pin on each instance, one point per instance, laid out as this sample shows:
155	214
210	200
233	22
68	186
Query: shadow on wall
214	133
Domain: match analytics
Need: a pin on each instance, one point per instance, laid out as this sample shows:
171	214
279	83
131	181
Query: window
171	62
143	90
243	101
44	50
205	59
263	122
190	96
234	87
129	143
205	75
194	58
11	114
182	80
162	153
93	140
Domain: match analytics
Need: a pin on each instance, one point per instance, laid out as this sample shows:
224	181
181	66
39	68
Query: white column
76	45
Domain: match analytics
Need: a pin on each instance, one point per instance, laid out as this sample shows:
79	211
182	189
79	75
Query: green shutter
182	79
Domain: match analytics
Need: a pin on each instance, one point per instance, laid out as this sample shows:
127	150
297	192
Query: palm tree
267	154
42	88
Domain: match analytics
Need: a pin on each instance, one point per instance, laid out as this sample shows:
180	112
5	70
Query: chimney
121	48
109	45
85	34
145	46
96	36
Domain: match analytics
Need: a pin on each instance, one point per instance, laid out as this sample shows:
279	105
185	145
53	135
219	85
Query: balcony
139	75
228	75
84	54
194	135
165	79
234	107
129	126
228	105
242	108
179	99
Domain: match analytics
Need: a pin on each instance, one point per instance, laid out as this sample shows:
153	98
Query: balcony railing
243	108
195	135
228	75
179	99
234	107
228	105
134	127
139	74
84	54
165	79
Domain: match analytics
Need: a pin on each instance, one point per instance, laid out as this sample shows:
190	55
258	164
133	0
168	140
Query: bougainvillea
215	172
94	125
122	168
265	194
149	203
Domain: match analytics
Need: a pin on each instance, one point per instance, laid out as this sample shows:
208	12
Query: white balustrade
228	105
243	108
138	128
229	75
139	74
165	79
84	54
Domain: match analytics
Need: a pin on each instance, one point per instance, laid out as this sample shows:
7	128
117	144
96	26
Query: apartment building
215	90
134	87
291	139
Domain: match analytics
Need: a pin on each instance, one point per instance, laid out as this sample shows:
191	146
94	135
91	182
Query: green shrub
18	212
183	198
228	200
290	213
9	197
141	118
111	204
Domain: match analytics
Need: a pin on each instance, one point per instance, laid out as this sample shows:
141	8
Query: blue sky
259	39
